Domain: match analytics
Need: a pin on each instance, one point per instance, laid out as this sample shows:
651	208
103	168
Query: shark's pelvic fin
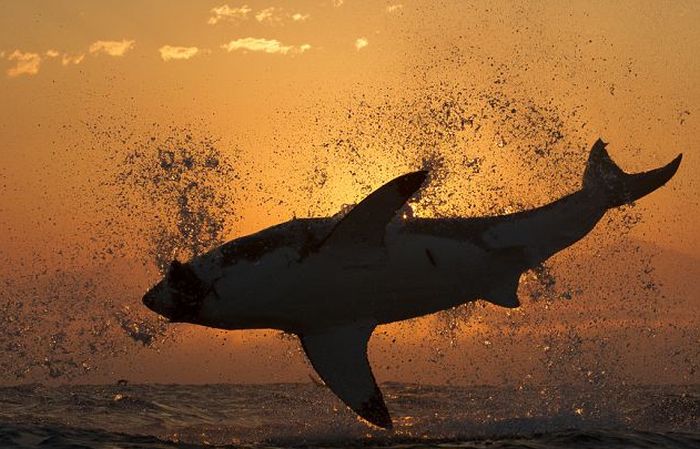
365	224
505	294
605	176
339	356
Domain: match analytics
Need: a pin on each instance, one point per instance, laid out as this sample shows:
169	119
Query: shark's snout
179	296
149	300
158	302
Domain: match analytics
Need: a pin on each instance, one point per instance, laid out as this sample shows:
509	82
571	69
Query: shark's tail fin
619	188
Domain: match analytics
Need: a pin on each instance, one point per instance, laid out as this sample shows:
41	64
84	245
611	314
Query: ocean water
307	415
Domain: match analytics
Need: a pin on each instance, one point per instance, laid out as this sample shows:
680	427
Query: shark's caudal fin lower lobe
619	188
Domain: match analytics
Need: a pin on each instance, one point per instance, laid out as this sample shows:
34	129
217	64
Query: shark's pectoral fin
365	224
339	356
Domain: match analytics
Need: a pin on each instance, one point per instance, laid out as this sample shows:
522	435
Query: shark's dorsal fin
365	224
339	356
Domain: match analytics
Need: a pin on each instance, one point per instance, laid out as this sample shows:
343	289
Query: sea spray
180	184
170	191
161	195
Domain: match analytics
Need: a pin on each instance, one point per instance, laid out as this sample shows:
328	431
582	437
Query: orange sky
273	81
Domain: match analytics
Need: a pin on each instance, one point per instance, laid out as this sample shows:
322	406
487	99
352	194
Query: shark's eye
182	278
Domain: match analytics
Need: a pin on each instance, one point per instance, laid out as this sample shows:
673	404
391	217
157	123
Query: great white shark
332	281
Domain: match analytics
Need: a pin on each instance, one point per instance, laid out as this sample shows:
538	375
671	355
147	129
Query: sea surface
307	415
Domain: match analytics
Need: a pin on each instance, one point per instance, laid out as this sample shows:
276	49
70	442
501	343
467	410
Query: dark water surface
299	415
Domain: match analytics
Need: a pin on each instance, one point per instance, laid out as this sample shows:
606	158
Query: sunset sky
317	102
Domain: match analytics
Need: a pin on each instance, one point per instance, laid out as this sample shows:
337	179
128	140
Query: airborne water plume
119	156
175	191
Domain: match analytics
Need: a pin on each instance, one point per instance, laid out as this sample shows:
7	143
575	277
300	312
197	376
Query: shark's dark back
305	234
300	234
469	230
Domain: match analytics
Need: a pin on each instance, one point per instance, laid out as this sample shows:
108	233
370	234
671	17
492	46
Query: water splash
171	191
68	322
182	187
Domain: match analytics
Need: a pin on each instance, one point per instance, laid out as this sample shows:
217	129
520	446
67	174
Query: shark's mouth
186	308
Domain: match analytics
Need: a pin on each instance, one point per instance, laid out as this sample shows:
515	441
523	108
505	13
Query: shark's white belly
410	276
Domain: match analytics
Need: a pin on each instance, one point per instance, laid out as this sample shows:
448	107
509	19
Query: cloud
265	46
25	63
225	12
112	48
169	52
394	8
275	15
268	15
299	17
72	59
337	3
361	43
29	63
